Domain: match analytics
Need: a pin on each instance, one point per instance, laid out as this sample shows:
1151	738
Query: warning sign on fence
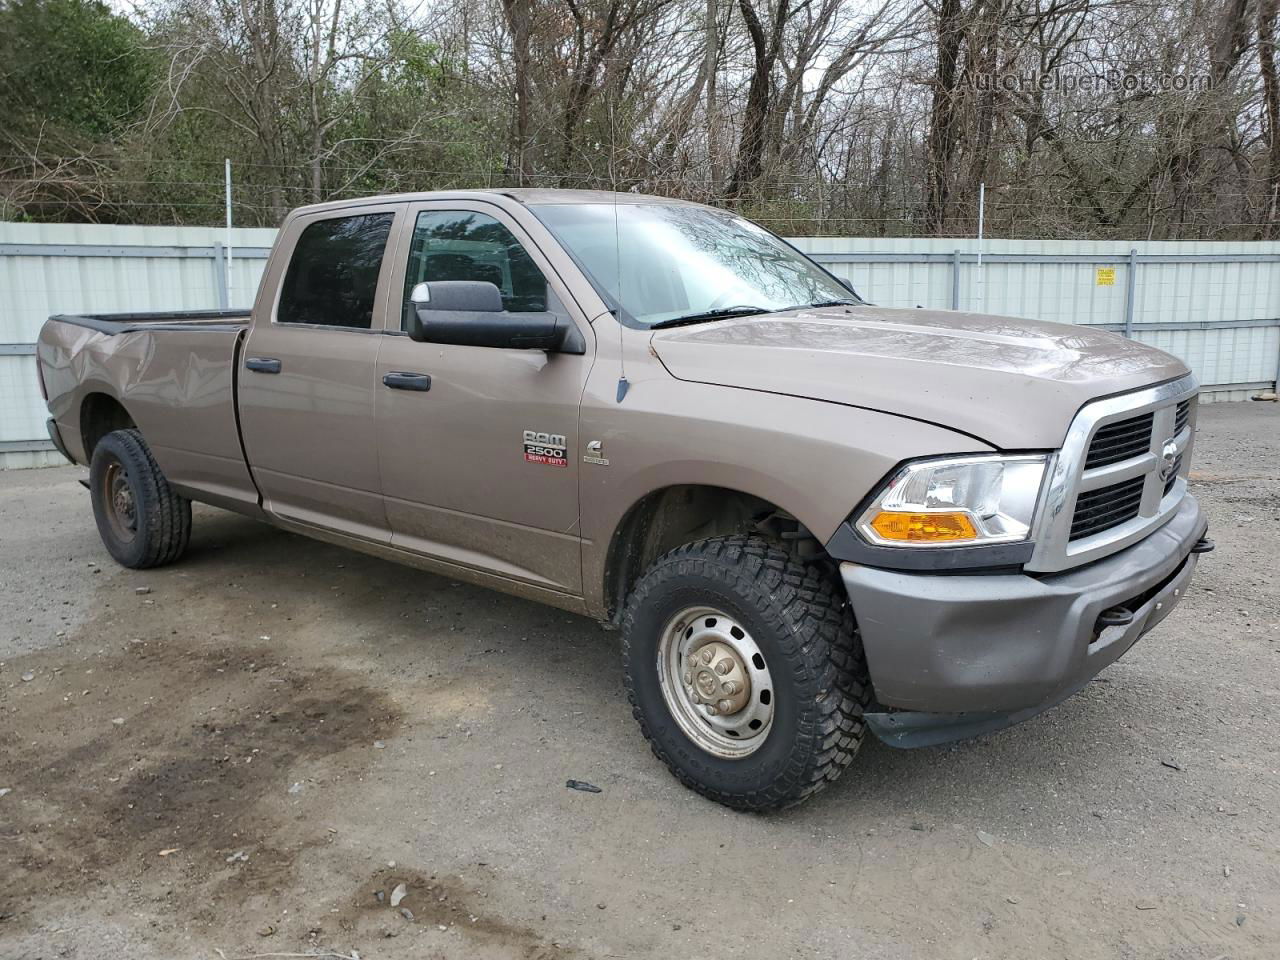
1106	276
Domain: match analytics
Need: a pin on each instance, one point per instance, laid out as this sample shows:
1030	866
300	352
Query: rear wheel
142	522
744	669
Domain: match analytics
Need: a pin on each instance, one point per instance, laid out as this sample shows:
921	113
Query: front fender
815	460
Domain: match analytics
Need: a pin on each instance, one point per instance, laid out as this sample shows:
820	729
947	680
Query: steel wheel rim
117	497
683	646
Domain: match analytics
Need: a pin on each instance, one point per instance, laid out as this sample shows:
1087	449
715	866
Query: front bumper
964	654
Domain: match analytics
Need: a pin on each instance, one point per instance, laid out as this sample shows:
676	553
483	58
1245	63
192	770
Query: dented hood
1015	384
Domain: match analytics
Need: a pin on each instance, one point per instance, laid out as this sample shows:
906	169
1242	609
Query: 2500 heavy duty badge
545	448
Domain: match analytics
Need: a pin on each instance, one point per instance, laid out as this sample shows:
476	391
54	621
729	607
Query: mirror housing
473	296
469	313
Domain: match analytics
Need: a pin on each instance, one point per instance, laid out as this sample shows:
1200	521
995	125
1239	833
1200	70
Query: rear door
481	468
308	373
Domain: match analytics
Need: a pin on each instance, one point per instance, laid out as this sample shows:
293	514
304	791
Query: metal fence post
220	274
1129	288
955	280
1276	386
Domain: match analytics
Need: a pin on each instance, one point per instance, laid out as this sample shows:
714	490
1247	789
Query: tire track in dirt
124	747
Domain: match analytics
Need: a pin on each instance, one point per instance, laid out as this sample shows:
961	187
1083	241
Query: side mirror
473	296
469	313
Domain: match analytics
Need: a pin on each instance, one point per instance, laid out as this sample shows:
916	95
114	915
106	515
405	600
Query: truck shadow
351	605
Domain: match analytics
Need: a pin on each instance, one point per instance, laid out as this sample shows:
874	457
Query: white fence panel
1214	304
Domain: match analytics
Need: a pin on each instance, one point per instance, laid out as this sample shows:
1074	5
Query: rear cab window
332	279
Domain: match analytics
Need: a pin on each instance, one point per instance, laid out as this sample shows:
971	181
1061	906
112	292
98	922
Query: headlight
956	502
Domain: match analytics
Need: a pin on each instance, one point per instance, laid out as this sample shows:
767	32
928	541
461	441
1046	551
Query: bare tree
944	115
806	114
519	21
766	45
1268	13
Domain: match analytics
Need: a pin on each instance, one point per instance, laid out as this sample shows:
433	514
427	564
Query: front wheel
744	669
142	522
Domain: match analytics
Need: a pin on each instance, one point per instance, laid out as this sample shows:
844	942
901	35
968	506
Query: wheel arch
680	513
100	414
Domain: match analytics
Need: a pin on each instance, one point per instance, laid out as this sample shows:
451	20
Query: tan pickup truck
808	515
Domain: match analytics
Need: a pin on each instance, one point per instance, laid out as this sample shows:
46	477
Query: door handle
263	364
408	381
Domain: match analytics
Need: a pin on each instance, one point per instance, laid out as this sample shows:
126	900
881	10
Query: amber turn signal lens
924	527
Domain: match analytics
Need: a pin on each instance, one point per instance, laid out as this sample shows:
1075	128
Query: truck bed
172	374
116	323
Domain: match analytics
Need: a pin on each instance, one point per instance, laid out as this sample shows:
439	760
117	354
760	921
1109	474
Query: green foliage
72	68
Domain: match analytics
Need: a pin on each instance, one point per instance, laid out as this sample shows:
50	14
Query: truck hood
1015	384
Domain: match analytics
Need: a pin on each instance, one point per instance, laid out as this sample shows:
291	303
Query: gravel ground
251	757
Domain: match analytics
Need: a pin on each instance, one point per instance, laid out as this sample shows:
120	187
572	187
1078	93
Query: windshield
665	262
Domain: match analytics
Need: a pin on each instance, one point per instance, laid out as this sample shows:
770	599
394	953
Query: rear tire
736	618
142	522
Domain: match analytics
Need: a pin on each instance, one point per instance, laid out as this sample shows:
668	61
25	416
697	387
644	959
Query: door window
464	245
333	277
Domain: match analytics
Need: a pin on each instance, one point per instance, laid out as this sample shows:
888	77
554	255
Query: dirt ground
250	758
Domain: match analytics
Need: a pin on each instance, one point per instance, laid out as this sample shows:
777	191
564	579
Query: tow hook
1115	617
1203	545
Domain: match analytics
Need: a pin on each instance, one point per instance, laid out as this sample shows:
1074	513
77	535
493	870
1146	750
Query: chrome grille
1183	414
1177	472
1120	474
1106	507
1120	441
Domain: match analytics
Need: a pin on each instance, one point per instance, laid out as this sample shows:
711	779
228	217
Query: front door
481	467
308	373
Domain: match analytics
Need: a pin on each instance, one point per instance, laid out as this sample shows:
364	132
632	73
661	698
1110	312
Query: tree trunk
985	55
710	63
519	18
943	116
755	117
1267	16
1208	125
317	170
590	56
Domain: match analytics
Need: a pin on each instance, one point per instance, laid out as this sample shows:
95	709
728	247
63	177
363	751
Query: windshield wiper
836	303
706	315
